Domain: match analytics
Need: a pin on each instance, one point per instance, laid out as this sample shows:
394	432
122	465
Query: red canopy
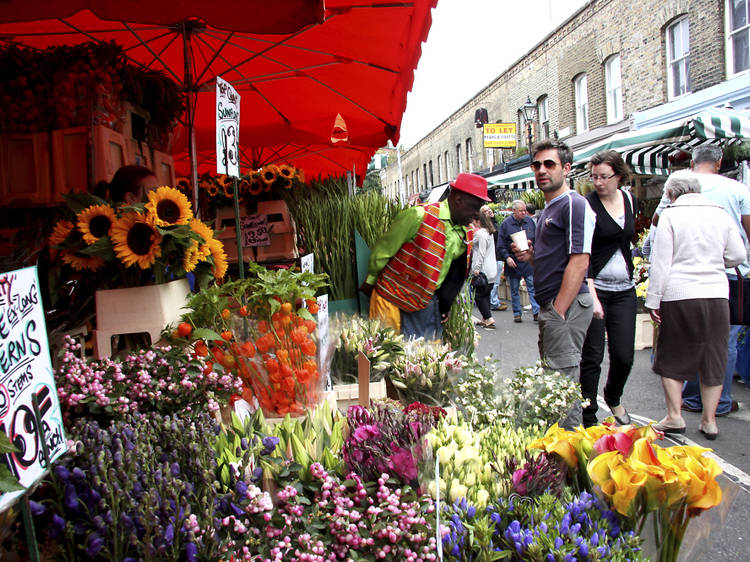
296	67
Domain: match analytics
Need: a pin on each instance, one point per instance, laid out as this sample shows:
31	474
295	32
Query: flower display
129	246
270	342
381	344
427	372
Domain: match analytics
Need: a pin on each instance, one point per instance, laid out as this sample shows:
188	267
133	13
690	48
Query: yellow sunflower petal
168	206
219	257
95	221
136	240
80	262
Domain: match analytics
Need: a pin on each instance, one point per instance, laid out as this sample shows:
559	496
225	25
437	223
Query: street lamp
529	113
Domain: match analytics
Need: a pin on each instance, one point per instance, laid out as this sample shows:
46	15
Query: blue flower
95	545
79	474
191	552
241	487
175	469
269	445
455	551
471	511
36	508
62	472
169	534
58	525
558	543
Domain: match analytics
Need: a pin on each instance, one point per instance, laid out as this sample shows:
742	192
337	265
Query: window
424	168
468	156
432	177
543	112
582	103
447	166
613	85
678	58
439	171
738	36
459	164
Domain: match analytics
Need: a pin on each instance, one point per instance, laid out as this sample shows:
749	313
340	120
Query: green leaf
8	482
101	248
5	444
80	201
205	334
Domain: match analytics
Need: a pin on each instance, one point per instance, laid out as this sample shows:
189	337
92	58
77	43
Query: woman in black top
611	284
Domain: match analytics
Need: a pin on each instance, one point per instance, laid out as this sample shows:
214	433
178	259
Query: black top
608	236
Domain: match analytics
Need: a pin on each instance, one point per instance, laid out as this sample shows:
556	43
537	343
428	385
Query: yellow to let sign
500	135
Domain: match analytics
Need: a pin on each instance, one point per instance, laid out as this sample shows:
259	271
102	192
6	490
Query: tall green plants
373	213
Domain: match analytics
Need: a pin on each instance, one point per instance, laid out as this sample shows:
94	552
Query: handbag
479	281
739	306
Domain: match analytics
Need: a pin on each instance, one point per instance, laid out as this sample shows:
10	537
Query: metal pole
240	257
401	187
191	102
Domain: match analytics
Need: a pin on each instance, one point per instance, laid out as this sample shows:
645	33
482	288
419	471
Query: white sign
307	263
25	372
323	336
227	129
255	231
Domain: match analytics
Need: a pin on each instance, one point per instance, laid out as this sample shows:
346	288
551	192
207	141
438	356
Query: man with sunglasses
560	258
418	267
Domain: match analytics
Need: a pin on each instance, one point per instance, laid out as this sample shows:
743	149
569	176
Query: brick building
613	66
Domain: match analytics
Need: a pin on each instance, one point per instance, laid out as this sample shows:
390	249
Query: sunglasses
536	165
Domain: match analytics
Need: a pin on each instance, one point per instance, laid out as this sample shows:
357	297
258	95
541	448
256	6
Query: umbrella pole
191	102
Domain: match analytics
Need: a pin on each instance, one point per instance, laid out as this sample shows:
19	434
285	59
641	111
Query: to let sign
500	135
227	129
25	372
255	231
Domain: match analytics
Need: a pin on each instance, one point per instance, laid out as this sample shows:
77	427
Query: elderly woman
688	295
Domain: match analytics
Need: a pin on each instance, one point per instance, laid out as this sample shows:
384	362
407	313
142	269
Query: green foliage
459	331
534	196
8	482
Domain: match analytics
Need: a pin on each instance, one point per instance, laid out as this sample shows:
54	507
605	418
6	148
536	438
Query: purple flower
269	445
95	545
366	432
169	534
175	469
241	487
518	483
36	508
191	552
62	472
58	525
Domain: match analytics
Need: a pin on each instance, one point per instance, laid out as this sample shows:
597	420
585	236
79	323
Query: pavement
722	533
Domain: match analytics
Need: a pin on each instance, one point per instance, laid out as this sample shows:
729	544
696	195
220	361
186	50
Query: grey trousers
561	341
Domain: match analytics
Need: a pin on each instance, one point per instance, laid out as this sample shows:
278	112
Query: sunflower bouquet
128	246
263	330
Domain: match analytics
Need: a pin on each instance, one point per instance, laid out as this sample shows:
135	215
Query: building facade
609	61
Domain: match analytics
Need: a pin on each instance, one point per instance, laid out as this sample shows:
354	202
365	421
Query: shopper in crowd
735	199
531	212
515	271
495	303
560	258
419	266
611	285
483	265
129	185
687	296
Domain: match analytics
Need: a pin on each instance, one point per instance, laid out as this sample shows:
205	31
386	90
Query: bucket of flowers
262	329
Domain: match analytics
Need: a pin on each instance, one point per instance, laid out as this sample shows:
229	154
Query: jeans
515	294
691	391
494	297
423	323
619	324
561	341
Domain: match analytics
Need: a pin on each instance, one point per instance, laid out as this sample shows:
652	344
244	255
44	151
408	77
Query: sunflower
205	232
60	233
191	258
167	206
79	262
184	184
300	175
228	190
94	222
220	258
244	186
285	183
286	171
255	186
136	240
212	189
269	174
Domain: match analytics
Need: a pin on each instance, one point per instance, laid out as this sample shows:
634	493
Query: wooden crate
348	394
70	161
110	153
163	167
25	177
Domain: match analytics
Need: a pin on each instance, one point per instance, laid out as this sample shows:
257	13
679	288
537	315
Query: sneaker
536	317
501	306
517	319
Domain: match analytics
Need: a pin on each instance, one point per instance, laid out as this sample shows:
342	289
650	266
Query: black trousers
619	323
482	298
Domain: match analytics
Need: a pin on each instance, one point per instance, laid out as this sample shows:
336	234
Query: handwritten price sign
255	230
227	129
25	372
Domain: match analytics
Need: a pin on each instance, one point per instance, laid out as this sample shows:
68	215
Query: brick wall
582	44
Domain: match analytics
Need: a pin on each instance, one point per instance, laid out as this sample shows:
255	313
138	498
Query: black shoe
689	408
536	317
517	319
733	408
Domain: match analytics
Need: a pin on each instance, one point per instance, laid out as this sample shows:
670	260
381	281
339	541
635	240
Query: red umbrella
296	67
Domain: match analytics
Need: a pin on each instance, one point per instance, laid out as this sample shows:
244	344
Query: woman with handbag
688	297
483	266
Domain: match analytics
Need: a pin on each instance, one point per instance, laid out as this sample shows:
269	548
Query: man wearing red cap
418	267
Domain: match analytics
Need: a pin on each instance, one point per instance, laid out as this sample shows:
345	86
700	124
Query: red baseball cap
472	184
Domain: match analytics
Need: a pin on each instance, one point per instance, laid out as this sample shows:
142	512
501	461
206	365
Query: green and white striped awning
648	151
517	179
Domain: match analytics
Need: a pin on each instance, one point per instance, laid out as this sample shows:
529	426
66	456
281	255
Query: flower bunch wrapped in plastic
381	344
263	330
536	396
120	242
427	373
162	379
386	438
476	392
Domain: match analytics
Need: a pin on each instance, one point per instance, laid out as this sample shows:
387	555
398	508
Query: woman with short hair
688	297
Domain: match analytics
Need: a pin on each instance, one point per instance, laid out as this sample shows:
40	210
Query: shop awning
297	64
648	150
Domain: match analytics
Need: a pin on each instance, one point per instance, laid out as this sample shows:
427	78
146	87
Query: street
722	533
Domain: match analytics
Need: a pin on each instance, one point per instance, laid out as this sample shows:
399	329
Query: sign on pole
255	231
323	335
500	135
25	373
307	263
227	129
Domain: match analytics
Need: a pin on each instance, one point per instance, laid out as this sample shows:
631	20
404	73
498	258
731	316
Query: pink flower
616	442
366	432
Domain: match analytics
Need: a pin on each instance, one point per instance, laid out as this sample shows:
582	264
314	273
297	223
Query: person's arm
573	276
735	252
598	308
481	247
662	247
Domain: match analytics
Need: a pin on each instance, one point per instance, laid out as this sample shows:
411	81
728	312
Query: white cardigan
483	254
693	244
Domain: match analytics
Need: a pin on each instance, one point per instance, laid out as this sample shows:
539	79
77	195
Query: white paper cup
520	240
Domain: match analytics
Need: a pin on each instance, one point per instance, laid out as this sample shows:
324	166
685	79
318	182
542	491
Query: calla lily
620	442
557	441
